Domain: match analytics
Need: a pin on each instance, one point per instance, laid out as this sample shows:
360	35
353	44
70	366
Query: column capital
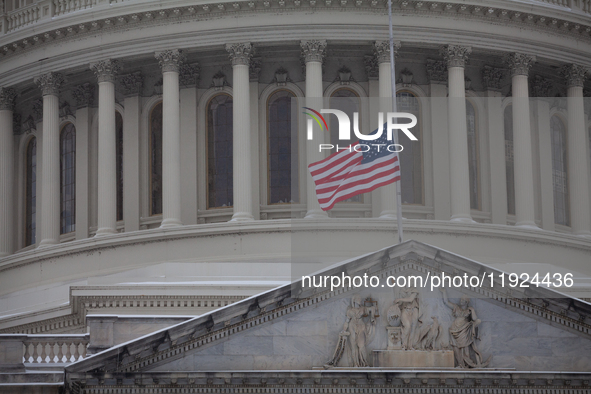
170	59
189	74
519	63
313	50
131	83
574	74
84	95
381	50
106	70
455	55
240	53
492	76
7	97
50	83
540	86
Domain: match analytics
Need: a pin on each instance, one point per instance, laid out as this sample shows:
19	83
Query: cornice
495	12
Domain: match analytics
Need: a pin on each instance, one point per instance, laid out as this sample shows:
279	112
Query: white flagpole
394	109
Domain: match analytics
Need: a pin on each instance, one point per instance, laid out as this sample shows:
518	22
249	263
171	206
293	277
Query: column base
462	219
105	231
316	214
3	254
47	242
170	222
527	224
242	217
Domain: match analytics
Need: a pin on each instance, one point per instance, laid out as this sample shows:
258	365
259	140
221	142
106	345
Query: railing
43	349
62	7
23	17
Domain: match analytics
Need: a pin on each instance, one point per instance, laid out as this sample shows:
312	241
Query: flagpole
394	109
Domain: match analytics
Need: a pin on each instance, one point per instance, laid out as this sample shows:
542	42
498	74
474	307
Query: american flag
345	173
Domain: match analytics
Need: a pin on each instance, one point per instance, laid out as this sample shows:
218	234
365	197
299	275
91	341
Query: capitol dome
153	160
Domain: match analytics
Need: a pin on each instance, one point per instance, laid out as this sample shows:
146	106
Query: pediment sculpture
413	339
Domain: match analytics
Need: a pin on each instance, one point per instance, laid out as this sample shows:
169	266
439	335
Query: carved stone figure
409	312
430	334
358	331
464	332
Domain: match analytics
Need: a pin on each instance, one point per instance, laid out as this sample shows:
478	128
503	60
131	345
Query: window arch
68	179
279	150
31	192
156	160
348	101
473	157
559	171
411	157
509	171
119	162
220	188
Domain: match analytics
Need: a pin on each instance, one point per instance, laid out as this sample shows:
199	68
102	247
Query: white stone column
437	76
170	61
7	97
491	78
313	51
105	71
240	55
522	142
456	57
84	96
188	77
578	151
382	53
50	178
132	86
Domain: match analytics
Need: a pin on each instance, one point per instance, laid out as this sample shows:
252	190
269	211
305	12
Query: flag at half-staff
356	169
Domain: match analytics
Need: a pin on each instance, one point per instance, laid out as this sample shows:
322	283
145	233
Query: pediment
300	328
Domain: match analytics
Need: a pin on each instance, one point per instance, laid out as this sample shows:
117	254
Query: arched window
349	102
559	174
411	157
280	143
509	172
220	189
156	160
119	162
472	128
68	178
31	192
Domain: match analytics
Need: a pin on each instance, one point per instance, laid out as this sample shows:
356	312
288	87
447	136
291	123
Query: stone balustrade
16	350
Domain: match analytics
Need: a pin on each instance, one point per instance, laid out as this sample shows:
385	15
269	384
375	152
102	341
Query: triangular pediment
297	327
